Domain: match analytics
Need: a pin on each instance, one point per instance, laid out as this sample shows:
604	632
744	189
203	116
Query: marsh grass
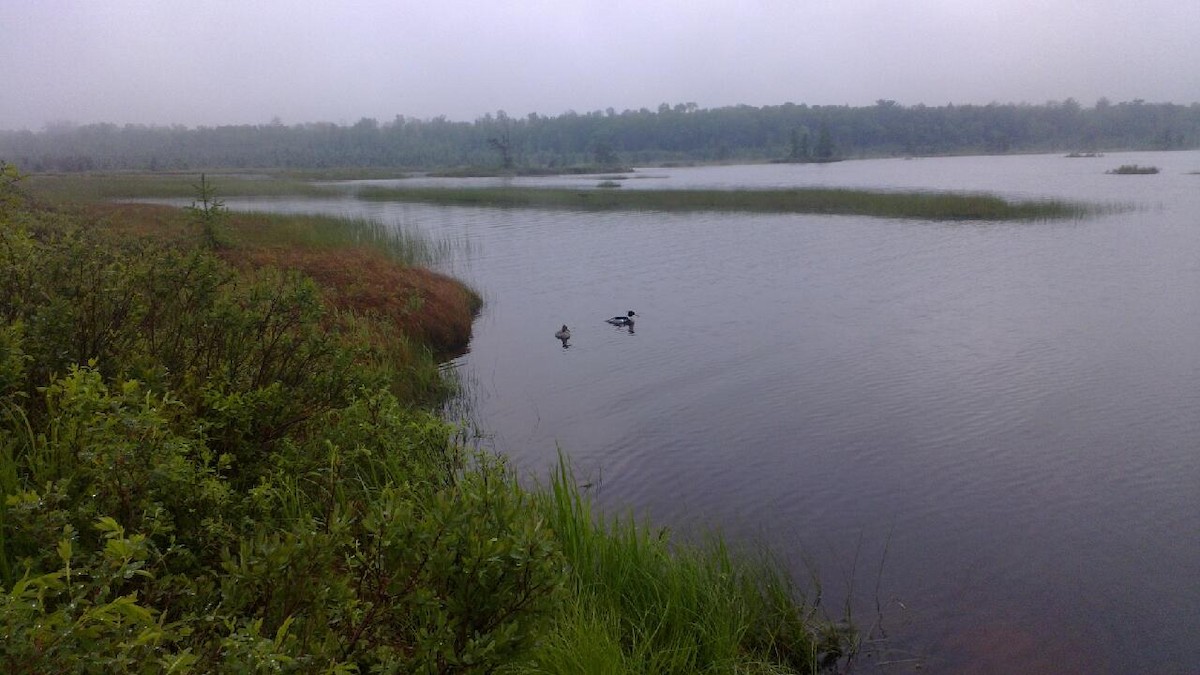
312	231
104	186
371	268
640	603
341	173
915	205
318	231
485	172
1134	170
417	303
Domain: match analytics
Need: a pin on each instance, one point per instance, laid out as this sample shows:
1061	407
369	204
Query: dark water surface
986	434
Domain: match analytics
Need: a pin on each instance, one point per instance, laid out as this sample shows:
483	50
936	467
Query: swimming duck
564	334
626	320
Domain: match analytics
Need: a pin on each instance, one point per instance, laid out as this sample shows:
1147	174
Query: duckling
564	334
626	320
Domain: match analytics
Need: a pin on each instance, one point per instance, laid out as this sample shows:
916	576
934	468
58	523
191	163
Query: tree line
680	133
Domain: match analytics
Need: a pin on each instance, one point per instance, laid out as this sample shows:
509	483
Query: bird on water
626	320
564	334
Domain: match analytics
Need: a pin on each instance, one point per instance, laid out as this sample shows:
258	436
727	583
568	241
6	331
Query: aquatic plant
1133	169
833	201
640	602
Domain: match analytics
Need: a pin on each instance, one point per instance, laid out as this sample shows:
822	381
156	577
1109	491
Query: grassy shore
917	205
638	603
223	455
90	187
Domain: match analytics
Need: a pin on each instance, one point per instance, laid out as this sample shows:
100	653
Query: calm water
986	435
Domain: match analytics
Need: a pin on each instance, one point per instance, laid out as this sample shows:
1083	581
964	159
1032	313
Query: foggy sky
237	62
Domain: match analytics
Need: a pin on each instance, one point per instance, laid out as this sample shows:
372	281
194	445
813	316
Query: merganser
564	334
622	320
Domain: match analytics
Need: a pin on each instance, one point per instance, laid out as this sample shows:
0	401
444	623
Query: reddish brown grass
165	224
424	305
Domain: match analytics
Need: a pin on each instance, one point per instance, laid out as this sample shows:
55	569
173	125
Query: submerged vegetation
225	459
922	205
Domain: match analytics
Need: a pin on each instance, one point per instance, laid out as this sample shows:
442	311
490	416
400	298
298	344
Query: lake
981	436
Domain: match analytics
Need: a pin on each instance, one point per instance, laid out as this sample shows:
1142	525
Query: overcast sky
247	61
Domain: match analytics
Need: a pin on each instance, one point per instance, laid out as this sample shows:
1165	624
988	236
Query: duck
626	320
564	334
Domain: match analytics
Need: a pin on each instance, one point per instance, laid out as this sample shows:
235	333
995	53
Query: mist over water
983	433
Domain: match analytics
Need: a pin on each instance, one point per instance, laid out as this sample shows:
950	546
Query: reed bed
912	205
320	231
1134	170
315	232
639	603
366	267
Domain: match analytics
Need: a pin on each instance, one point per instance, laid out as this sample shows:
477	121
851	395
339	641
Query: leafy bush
201	471
368	557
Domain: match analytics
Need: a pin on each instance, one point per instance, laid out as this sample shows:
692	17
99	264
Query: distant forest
681	133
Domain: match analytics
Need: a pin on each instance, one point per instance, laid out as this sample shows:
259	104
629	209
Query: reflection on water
984	434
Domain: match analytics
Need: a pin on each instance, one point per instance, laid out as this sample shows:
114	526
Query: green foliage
209	211
77	617
9	194
798	146
247	353
824	149
359	555
200	472
680	133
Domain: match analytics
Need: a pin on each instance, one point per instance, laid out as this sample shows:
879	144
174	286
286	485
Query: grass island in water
828	201
1134	170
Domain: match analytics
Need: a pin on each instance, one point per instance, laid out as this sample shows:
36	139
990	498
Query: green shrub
384	553
77	617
